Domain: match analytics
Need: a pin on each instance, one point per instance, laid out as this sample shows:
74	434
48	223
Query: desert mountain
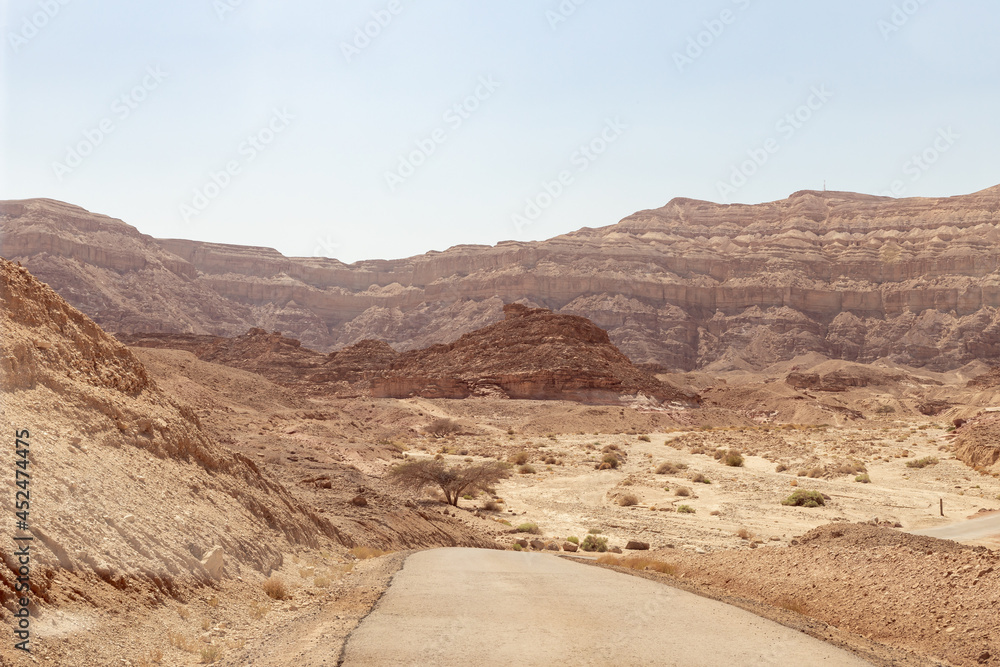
685	286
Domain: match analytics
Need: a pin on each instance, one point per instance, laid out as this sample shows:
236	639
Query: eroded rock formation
689	285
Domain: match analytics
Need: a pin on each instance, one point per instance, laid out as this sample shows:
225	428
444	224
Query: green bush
922	463
529	528
611	460
803	498
733	459
685	509
573	539
593	543
526	470
864	479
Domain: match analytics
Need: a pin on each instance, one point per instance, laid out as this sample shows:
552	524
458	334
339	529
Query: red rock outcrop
851	276
532	354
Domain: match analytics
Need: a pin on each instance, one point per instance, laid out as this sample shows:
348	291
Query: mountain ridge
852	276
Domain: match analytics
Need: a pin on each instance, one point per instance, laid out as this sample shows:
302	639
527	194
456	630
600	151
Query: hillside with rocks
532	354
689	285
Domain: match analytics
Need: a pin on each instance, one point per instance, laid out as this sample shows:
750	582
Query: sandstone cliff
851	276
532	354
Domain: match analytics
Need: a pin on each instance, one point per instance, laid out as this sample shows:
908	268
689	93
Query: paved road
479	607
966	531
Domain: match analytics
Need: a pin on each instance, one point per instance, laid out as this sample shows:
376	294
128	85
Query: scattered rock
213	562
636	545
570	547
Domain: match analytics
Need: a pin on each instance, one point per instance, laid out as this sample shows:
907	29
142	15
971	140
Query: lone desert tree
453	481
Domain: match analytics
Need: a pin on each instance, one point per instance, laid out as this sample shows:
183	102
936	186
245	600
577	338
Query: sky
388	128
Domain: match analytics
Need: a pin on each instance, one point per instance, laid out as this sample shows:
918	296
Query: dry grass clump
628	500
744	534
863	479
179	641
644	438
609	462
685	509
642	563
526	470
682	491
520	458
210	655
923	463
258	610
803	498
670	468
733	459
364	553
275	588
154	657
698	478
491	505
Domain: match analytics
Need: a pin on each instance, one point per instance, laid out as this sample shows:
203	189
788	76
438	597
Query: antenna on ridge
824	185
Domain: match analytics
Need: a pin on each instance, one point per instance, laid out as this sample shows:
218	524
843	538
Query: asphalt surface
966	531
475	607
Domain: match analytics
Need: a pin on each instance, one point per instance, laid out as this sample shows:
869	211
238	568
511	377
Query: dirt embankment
930	596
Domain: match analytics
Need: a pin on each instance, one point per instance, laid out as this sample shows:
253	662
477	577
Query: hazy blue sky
274	123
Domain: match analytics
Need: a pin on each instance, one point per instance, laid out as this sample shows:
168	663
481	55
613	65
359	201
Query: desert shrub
573	539
364	553
491	506
453	481
733	459
610	460
517	547
923	463
744	534
698	478
594	543
210	655
667	468
685	509
439	428
594	531
520	458
682	491
526	470
628	500
644	438
179	641
467	496
864	479
803	498
275	588
550	460
529	528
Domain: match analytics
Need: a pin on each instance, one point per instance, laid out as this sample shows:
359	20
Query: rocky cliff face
689	285
532	354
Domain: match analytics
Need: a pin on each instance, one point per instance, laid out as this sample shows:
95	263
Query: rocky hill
126	487
692	284
532	354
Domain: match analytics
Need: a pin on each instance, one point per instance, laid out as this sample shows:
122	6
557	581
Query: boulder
212	562
570	547
636	545
537	545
